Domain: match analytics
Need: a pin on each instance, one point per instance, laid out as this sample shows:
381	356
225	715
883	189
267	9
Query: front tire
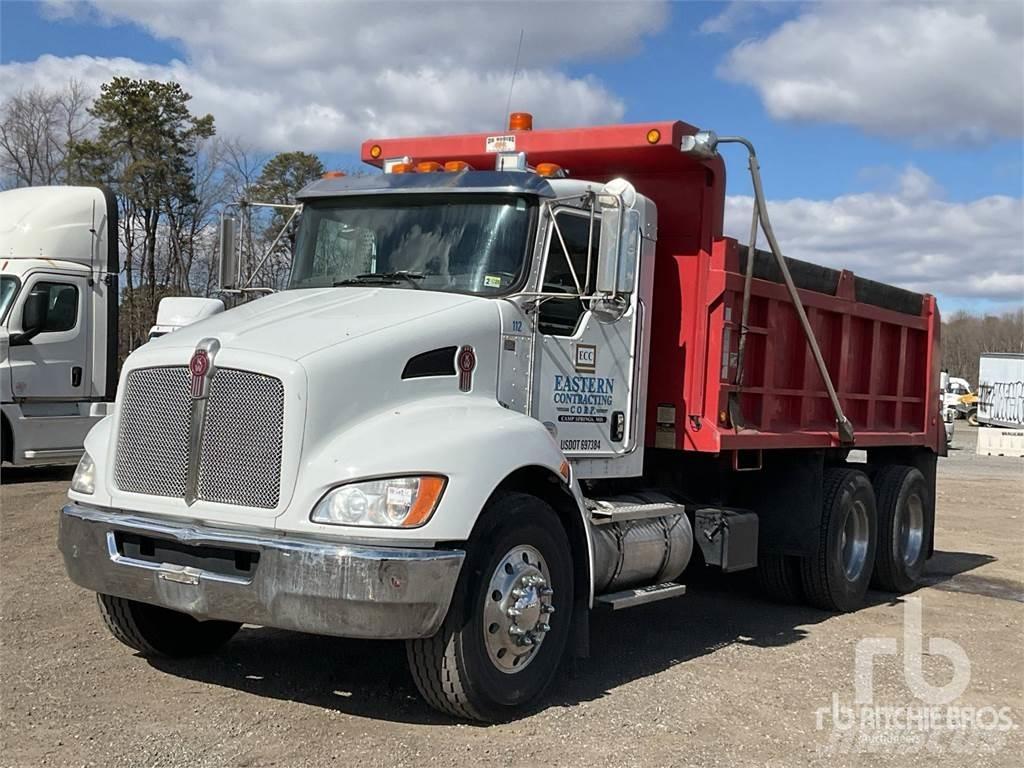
972	417
155	631
837	575
501	643
905	520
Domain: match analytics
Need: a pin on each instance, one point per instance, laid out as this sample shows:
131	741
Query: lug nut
543	627
546	591
513	612
547	609
516	630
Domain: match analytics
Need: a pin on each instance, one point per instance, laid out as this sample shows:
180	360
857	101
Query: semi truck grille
241	442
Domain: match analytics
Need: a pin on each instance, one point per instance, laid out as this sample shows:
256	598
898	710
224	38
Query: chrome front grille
241	453
152	443
240	443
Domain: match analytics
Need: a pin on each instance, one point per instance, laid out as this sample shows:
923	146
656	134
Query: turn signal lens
333	175
428	166
375	151
653	136
520	121
550	170
453	166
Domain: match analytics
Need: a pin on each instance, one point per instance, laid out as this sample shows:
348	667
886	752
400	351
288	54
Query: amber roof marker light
333	175
375	151
653	136
550	171
520	121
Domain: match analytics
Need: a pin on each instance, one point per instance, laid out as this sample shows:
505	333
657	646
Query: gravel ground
715	678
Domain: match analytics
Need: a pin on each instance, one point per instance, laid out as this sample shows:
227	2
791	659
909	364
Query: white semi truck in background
59	271
58	318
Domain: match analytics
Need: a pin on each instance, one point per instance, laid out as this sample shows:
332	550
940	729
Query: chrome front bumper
291	583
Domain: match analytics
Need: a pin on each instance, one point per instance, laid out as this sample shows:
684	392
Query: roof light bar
391	162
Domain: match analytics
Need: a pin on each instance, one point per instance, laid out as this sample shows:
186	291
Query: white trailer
58	319
1001	404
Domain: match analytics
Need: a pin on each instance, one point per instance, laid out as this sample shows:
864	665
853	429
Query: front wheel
500	645
156	631
972	417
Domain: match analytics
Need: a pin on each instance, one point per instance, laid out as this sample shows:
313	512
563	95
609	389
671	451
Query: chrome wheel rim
909	526
517	609
853	541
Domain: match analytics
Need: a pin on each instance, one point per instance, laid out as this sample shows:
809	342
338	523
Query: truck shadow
10	475
370	678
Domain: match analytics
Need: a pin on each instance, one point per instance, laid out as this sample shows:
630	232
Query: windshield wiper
383	278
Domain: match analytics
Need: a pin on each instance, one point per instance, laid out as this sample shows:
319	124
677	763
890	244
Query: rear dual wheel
905	521
836	576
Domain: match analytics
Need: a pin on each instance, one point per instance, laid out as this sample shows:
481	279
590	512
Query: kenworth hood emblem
201	367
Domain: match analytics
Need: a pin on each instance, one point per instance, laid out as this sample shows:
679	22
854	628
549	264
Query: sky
889	134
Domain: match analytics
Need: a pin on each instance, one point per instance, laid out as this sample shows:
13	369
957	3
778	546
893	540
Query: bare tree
966	337
37	127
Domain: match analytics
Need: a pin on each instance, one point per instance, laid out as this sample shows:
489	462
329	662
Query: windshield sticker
492	281
583	399
501	143
586	358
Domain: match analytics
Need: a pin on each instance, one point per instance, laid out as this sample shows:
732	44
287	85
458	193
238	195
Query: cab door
54	364
585	382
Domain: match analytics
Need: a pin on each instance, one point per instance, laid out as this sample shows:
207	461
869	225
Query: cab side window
61	306
559	317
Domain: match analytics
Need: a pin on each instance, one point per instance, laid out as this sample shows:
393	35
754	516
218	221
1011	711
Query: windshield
8	290
459	243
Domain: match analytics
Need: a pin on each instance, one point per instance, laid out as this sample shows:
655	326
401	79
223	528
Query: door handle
618	430
76	376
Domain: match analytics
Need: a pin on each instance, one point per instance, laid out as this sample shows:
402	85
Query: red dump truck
515	378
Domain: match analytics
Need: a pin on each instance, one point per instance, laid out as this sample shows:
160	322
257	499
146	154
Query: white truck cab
430	359
58	319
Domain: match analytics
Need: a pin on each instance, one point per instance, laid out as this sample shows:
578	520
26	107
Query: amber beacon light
520	121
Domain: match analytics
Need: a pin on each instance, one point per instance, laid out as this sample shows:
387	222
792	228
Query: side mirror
33	317
227	275
619	247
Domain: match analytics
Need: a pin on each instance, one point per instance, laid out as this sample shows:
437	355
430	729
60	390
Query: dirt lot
715	678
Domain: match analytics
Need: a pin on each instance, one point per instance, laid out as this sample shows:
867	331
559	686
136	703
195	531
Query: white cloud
325	76
911	238
933	72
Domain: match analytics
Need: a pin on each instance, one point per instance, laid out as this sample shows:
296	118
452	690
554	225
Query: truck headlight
84	480
393	502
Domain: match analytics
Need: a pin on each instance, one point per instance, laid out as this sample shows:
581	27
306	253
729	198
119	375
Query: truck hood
297	324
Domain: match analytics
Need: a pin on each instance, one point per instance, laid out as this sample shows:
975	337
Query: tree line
966	337
172	175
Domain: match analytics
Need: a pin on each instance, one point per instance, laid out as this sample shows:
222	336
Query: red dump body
881	344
